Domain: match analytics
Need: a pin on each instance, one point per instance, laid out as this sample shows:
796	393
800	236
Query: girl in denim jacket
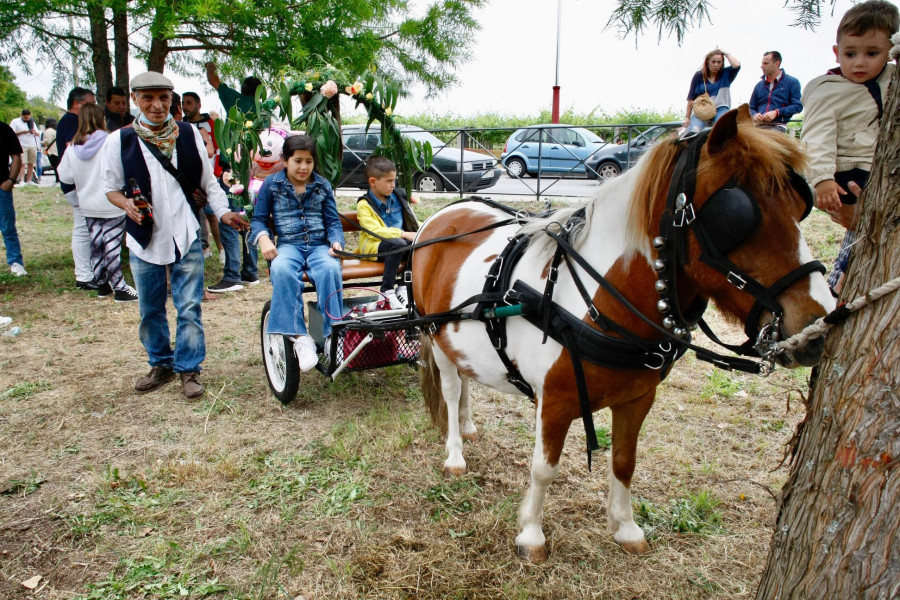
301	204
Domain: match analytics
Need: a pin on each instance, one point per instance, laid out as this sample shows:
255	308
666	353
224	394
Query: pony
733	196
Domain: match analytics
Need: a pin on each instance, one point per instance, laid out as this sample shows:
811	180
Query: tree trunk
100	57
120	43
159	45
837	530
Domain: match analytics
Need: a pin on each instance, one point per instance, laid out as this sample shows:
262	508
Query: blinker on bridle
726	220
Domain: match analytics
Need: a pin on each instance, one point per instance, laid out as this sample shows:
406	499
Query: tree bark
159	45
837	530
100	56
120	43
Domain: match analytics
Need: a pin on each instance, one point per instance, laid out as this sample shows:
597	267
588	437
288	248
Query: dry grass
109	494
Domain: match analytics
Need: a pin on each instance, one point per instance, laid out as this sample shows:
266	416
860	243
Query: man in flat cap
164	161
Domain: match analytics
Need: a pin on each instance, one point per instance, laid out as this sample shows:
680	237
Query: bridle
728	217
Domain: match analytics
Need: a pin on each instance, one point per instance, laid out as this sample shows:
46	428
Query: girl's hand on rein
335	247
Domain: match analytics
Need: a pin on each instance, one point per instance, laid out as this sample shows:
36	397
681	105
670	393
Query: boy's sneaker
403	295
394	301
126	294
249	280
225	286
18	270
305	349
104	290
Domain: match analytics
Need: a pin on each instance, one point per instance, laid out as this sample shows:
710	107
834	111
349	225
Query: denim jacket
310	220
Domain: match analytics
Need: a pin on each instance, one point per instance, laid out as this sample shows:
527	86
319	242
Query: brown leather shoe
157	377
191	386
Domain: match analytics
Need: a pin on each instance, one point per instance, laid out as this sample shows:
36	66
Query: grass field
106	494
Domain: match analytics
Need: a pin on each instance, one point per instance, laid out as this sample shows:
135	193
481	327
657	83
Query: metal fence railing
534	161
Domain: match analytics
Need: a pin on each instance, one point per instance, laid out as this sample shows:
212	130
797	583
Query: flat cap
151	80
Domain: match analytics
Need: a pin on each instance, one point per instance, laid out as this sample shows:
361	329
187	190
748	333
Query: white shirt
174	223
18	125
85	176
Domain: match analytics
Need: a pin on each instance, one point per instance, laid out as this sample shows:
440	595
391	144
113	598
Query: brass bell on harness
659	265
680	331
680	201
661	286
668	322
659	242
663	306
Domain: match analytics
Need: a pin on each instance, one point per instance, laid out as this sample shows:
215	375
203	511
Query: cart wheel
282	369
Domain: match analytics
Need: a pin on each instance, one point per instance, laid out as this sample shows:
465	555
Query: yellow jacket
369	219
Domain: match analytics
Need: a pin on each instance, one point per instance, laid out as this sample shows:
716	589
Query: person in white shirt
80	167
140	161
29	137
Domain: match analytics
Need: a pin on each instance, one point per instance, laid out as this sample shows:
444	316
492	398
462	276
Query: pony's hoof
469	437
635	548
533	554
454	471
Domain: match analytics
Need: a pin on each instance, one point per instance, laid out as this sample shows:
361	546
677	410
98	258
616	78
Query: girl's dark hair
90	119
300	142
51	123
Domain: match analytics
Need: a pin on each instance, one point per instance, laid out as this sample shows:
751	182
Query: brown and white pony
620	225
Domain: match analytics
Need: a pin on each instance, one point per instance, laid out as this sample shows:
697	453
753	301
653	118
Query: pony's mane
756	157
544	244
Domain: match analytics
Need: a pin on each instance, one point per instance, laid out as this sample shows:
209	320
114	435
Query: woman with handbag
709	96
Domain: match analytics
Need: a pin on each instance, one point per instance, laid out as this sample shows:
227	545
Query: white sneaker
4	321
305	349
403	295
18	270
396	303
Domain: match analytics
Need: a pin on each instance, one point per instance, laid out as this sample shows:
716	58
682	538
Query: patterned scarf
164	138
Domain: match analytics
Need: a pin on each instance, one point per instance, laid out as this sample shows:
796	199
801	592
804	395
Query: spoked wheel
282	369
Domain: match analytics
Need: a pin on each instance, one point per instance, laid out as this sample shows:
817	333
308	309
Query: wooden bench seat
354	269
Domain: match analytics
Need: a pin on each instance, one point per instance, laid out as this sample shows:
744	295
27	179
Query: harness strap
590	434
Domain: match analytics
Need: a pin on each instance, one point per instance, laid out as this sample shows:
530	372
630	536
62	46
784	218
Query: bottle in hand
141	203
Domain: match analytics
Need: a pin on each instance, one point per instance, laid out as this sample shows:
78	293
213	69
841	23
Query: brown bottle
141	203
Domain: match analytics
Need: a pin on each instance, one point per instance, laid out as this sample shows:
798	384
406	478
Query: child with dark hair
387	223
301	204
842	114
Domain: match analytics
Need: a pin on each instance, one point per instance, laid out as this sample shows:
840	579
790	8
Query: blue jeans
8	229
698	125
236	253
286	272
187	293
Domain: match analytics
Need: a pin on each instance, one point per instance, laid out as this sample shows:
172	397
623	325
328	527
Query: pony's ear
744	113
722	132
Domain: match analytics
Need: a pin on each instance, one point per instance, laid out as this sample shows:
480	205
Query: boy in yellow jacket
387	224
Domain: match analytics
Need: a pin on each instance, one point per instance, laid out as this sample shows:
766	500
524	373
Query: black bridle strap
729	362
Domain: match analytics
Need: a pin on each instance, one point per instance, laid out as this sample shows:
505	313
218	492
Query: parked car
612	159
550	148
450	170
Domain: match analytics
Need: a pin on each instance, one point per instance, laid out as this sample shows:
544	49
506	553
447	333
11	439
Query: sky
513	59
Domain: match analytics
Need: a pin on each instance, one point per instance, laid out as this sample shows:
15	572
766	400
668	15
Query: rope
836	317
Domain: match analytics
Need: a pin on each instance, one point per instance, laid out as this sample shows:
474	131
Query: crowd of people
145	181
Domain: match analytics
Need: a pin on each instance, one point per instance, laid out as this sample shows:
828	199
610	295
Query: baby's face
863	56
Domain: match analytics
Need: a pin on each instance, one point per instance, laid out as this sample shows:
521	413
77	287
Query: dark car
612	159
451	170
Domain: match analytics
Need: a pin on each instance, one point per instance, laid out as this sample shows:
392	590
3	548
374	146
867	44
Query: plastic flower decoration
388	112
308	87
248	124
369	96
237	189
329	89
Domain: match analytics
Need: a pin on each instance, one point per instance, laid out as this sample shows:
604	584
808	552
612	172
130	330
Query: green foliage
695	513
25	389
24	487
720	383
152	577
454	496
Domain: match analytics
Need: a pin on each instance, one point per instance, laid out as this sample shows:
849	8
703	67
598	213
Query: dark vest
189	162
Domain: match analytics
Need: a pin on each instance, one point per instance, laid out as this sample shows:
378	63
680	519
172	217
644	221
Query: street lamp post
554	115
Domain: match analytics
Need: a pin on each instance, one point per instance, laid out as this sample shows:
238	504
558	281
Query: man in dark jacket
116	111
776	98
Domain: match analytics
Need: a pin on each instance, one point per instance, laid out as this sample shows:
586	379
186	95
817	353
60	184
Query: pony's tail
430	381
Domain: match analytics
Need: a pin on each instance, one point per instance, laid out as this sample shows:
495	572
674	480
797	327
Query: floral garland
238	135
